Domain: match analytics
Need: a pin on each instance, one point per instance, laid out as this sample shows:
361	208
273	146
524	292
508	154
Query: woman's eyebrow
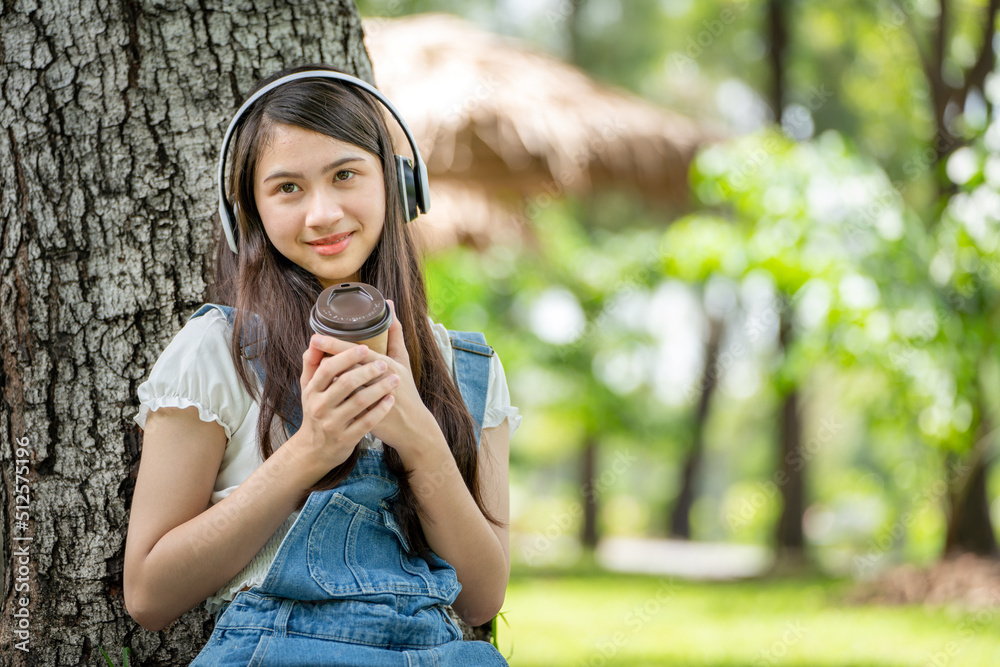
327	169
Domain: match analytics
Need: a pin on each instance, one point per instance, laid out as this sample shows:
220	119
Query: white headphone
413	188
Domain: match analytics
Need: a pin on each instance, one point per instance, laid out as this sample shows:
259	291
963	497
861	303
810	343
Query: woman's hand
407	421
344	396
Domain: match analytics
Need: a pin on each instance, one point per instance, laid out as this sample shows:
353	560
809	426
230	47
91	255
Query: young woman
325	501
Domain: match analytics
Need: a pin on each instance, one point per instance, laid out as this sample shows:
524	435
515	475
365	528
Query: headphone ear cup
407	187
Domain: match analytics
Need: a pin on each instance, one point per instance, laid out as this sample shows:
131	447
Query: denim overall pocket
354	550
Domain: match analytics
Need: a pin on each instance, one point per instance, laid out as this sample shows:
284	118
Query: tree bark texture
789	536
943	94
777	32
588	482
970	529
969	526
111	116
680	517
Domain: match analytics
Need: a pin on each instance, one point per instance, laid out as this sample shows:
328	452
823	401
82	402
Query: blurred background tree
833	291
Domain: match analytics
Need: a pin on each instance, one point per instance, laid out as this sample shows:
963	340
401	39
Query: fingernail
362	350
380	366
394	381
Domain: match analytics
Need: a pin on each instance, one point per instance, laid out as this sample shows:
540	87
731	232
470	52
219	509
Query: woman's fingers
356	377
311	359
317	352
346	395
356	385
364	396
369	419
331	345
330	368
360	412
395	347
357	406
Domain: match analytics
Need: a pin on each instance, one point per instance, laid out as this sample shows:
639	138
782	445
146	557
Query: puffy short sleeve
196	370
498	405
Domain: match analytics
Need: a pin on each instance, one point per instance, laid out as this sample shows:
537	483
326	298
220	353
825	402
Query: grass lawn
597	618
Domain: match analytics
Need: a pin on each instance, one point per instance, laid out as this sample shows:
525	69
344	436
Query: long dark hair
261	281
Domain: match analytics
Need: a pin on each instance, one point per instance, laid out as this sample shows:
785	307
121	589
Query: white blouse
196	370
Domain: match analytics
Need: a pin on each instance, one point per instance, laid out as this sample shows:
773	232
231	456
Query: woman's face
322	202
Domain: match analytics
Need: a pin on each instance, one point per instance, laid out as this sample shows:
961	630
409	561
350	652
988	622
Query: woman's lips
332	247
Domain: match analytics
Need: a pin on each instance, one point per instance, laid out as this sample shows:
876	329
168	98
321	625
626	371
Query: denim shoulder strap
225	310
252	339
472	372
252	342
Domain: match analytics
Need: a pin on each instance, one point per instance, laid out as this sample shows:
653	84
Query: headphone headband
422	191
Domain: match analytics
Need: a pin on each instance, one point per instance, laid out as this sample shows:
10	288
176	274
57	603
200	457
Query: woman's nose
324	209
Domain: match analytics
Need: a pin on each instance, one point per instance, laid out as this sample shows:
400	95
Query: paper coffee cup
353	312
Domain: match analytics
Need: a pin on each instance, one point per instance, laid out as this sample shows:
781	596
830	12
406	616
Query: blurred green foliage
831	216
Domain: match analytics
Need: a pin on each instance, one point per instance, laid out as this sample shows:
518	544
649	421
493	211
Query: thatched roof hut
502	126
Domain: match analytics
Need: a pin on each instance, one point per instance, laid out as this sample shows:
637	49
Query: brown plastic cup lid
351	312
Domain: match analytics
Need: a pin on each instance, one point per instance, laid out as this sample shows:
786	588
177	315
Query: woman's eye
344	175
288	188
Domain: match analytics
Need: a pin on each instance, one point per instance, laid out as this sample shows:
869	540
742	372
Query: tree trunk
588	475
789	536
112	115
777	31
680	517
970	529
944	94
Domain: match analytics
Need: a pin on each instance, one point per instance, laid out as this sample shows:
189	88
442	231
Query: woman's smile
321	201
332	245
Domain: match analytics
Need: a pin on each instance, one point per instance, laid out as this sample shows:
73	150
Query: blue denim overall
342	589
